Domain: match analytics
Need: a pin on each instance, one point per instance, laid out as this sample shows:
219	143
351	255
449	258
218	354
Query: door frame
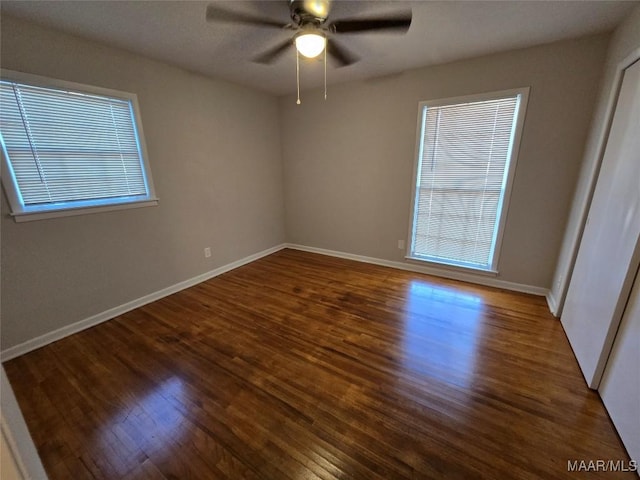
557	304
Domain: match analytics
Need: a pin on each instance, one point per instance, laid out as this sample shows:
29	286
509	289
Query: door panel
609	251
620	386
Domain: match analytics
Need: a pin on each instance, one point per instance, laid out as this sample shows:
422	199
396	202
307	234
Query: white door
610	249
620	385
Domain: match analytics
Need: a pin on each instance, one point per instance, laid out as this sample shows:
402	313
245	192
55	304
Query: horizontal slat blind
461	180
66	146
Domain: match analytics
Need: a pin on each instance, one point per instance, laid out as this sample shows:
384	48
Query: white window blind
465	151
67	149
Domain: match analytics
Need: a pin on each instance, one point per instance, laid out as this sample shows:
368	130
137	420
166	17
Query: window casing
467	149
69	148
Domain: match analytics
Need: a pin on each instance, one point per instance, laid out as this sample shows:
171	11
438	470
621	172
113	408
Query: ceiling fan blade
340	54
217	14
400	23
273	53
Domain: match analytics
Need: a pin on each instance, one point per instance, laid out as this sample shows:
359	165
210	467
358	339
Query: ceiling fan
313	33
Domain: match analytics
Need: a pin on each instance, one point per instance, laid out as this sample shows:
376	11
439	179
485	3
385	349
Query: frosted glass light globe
310	44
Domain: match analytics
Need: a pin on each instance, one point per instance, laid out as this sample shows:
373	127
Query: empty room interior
320	239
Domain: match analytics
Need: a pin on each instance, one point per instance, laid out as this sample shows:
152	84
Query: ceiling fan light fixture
310	44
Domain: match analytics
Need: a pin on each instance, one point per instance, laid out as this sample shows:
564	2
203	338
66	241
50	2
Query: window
467	149
70	148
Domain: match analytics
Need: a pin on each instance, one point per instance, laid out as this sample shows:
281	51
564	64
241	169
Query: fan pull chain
298	76
325	71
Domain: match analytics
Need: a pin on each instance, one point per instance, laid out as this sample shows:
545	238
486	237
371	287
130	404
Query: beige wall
626	39
217	151
215	157
348	161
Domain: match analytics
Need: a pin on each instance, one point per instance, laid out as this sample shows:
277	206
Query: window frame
503	206
22	213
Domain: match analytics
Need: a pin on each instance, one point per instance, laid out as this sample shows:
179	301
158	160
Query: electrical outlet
207	252
401	244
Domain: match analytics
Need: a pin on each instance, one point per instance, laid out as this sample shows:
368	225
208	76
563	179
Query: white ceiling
176	32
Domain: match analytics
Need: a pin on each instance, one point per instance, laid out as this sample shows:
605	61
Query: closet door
609	251
620	386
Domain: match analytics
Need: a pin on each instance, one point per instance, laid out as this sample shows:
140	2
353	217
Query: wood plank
305	366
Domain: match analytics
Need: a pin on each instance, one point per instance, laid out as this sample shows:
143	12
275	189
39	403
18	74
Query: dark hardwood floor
301	366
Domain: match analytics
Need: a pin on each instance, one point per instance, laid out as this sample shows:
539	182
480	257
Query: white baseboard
60	333
454	275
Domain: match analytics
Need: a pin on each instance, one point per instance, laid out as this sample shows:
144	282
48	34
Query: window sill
68	212
450	268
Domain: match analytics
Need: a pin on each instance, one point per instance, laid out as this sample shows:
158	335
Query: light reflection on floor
154	414
441	332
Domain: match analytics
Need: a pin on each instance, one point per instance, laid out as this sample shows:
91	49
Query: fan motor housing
309	11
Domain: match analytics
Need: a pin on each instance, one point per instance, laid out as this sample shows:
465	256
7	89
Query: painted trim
76	327
453	275
513	154
69	212
15	431
552	304
12	466
22	213
454	268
